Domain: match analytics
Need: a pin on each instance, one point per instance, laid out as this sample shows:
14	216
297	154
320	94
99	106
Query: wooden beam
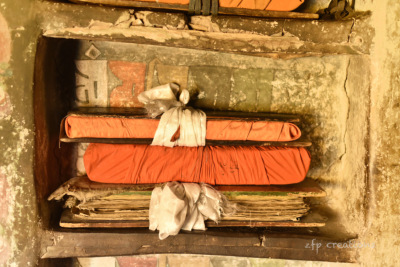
221	10
140	113
310	38
236	43
146	141
215	241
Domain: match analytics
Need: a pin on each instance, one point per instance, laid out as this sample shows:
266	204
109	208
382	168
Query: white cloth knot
184	206
190	122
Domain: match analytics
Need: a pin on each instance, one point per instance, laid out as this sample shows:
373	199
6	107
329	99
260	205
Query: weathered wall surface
383	201
18	231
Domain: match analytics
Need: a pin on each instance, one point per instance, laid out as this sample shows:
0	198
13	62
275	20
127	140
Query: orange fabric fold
273	5
101	127
221	165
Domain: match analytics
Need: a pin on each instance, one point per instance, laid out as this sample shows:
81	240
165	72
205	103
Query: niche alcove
321	81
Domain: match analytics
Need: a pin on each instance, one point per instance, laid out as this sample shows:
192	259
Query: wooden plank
140	113
65	243
146	141
132	244
307	188
68	220
245	44
221	10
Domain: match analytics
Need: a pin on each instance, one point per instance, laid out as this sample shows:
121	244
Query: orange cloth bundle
106	127
221	165
273	5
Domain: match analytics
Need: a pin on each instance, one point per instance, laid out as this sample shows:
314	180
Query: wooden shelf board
140	113
276	243
148	141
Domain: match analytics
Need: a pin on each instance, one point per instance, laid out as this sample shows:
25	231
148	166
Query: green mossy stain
234	194
131	193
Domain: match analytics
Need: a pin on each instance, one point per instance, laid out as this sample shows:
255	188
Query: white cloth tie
192	122
183	206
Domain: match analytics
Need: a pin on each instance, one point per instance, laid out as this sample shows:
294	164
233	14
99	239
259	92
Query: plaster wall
18	221
383	202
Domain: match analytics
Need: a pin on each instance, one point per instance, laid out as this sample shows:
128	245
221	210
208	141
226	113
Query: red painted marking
132	74
5	107
4	197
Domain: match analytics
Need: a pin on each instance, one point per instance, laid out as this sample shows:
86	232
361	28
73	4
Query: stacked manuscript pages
91	204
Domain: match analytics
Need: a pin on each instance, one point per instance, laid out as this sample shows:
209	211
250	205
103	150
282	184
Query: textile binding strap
178	120
195	7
